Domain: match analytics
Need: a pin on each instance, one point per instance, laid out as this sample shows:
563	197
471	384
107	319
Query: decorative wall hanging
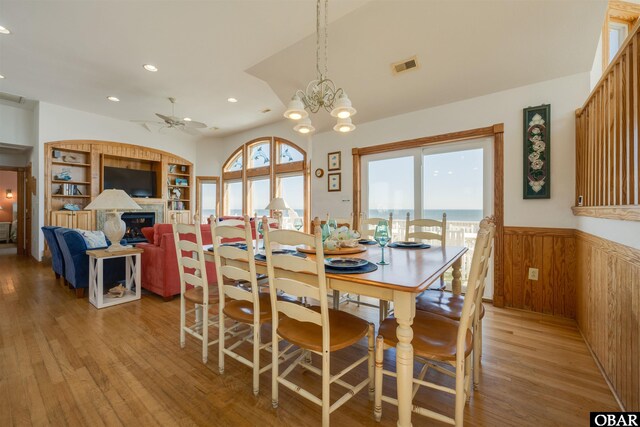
537	152
335	181
334	160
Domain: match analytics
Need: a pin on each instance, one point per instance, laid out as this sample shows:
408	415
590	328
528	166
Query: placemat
367	242
242	246
360	270
422	246
262	257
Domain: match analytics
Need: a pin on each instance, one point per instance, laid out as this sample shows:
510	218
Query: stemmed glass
326	232
260	229
383	237
298	223
333	225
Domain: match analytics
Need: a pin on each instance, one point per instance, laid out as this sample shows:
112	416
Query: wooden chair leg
205	331
336	300
80	292
57	276
371	362
460	395
256	358
377	405
183	310
221	341
384	308
326	391
275	355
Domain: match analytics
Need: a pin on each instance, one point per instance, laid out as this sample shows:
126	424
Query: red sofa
160	264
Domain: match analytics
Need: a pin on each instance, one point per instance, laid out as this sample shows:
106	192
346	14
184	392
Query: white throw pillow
93	239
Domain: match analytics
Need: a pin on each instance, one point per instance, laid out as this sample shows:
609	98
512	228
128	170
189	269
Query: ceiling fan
173	122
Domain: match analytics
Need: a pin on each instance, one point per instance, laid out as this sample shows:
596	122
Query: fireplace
135	222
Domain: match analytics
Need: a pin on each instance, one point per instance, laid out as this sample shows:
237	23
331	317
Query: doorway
12	211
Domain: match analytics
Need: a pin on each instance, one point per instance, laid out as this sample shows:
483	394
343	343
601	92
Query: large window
261	170
454	178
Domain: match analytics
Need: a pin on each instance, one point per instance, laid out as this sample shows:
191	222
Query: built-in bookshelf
179	187
74	175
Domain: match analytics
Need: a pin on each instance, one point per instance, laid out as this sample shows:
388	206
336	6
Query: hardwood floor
62	362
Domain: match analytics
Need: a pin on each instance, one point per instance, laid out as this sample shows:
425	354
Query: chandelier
321	93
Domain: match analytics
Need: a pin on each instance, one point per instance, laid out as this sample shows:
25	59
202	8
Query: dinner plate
345	263
367	242
408	244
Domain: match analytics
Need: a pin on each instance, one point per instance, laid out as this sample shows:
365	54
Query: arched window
262	169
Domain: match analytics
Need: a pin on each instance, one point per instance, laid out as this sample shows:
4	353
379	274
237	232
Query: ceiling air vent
11	98
406	65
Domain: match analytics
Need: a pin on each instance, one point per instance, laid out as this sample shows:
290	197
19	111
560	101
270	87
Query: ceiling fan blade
190	131
195	125
165	118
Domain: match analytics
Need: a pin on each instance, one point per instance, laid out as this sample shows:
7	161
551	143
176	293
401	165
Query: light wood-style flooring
62	362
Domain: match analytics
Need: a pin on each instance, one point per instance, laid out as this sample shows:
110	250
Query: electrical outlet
533	274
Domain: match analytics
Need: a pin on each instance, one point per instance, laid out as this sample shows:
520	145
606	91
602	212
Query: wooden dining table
409	272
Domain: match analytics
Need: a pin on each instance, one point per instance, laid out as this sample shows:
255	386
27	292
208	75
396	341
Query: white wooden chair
274	223
341	222
243	304
450	305
192	271
365	224
439	341
366	232
318	330
418	234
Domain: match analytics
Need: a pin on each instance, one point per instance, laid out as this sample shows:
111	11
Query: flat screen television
136	183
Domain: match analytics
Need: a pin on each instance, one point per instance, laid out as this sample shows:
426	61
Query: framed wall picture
334	160
537	152
334	181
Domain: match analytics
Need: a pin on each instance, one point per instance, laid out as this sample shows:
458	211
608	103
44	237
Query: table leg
456	283
128	268
92	282
405	310
138	277
100	287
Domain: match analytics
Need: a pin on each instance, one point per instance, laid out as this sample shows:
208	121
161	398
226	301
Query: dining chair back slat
295	264
419	233
232	252
188	246
291	287
366	232
235	273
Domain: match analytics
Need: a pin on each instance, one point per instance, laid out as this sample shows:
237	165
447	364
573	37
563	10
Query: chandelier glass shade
321	93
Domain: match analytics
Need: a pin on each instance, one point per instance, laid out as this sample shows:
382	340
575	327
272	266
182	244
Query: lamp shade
295	109
304	126
278	204
343	108
113	200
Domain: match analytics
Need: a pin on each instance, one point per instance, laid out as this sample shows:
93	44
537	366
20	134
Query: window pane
209	195
289	154
236	164
291	189
617	35
391	189
259	196
453	183
259	155
233	198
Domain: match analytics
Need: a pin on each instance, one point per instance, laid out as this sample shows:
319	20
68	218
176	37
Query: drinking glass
333	225
326	232
260	229
298	223
382	236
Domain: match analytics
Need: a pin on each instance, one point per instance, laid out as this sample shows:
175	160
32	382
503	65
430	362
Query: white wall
16	123
57	123
564	94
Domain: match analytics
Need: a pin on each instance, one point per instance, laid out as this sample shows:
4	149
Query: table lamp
278	205
114	202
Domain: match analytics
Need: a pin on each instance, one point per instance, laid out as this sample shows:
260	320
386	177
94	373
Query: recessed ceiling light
4	30
232	100
150	67
113	98
187	119
1	77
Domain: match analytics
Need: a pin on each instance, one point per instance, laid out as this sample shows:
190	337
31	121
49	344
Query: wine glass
333	225
260	229
326	232
382	236
298	223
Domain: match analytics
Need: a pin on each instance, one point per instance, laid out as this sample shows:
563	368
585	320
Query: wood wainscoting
552	252
608	311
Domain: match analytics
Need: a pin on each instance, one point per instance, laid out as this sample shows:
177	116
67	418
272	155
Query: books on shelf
177	206
69	190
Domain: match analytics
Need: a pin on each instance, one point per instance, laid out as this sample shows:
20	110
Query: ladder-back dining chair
194	286
418	234
317	330
439	342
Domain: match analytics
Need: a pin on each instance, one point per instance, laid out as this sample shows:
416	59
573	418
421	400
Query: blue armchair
76	262
57	261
